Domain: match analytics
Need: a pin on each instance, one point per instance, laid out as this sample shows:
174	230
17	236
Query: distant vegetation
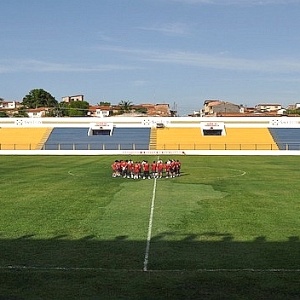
39	98
293	111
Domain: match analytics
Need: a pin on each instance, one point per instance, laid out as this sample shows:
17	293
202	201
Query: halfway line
150	228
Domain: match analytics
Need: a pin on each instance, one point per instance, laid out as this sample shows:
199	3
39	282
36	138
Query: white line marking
242	173
150	228
53	268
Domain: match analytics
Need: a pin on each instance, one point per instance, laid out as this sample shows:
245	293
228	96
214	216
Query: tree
104	103
141	110
295	111
21	113
39	98
125	105
76	109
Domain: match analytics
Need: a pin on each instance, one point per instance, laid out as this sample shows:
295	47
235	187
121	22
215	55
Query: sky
180	52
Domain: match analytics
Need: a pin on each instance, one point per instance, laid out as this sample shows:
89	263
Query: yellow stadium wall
23	138
235	139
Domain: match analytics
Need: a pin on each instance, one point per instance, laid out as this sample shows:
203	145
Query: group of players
145	170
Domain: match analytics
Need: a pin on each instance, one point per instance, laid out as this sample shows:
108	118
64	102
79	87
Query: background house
9	104
99	111
162	110
9	107
218	108
69	99
37	112
268	107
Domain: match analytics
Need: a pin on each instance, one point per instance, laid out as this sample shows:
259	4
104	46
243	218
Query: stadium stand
286	138
23	138
77	139
133	133
178	138
235	139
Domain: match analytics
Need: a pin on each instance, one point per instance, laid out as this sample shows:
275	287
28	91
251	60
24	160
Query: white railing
144	146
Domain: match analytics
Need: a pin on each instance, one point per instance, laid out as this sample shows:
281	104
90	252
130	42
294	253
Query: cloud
30	65
238	2
139	83
226	63
104	37
210	61
171	29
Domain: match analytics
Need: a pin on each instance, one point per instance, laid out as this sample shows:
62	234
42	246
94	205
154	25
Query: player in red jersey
160	168
140	169
167	168
115	168
173	168
136	170
130	168
123	166
178	167
146	170
154	169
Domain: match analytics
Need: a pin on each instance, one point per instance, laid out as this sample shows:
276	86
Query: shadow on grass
180	267
168	251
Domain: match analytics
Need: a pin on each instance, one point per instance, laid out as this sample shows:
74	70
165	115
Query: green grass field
228	228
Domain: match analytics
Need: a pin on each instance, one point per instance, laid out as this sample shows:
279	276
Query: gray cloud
31	65
238	2
171	29
212	61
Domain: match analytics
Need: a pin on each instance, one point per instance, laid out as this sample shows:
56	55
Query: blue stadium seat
78	139
286	138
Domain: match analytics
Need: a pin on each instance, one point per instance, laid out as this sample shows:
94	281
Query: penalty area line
146	260
67	269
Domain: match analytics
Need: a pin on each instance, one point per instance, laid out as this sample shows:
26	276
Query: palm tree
125	105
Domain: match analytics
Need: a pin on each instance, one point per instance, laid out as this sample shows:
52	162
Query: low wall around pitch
153	152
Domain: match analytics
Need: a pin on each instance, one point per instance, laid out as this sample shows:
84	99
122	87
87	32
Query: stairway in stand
44	139
153	139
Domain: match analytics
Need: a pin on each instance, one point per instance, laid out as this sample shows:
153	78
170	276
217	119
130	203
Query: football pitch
227	228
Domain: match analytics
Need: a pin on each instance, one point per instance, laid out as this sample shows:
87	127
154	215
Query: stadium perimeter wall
153	152
233	122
